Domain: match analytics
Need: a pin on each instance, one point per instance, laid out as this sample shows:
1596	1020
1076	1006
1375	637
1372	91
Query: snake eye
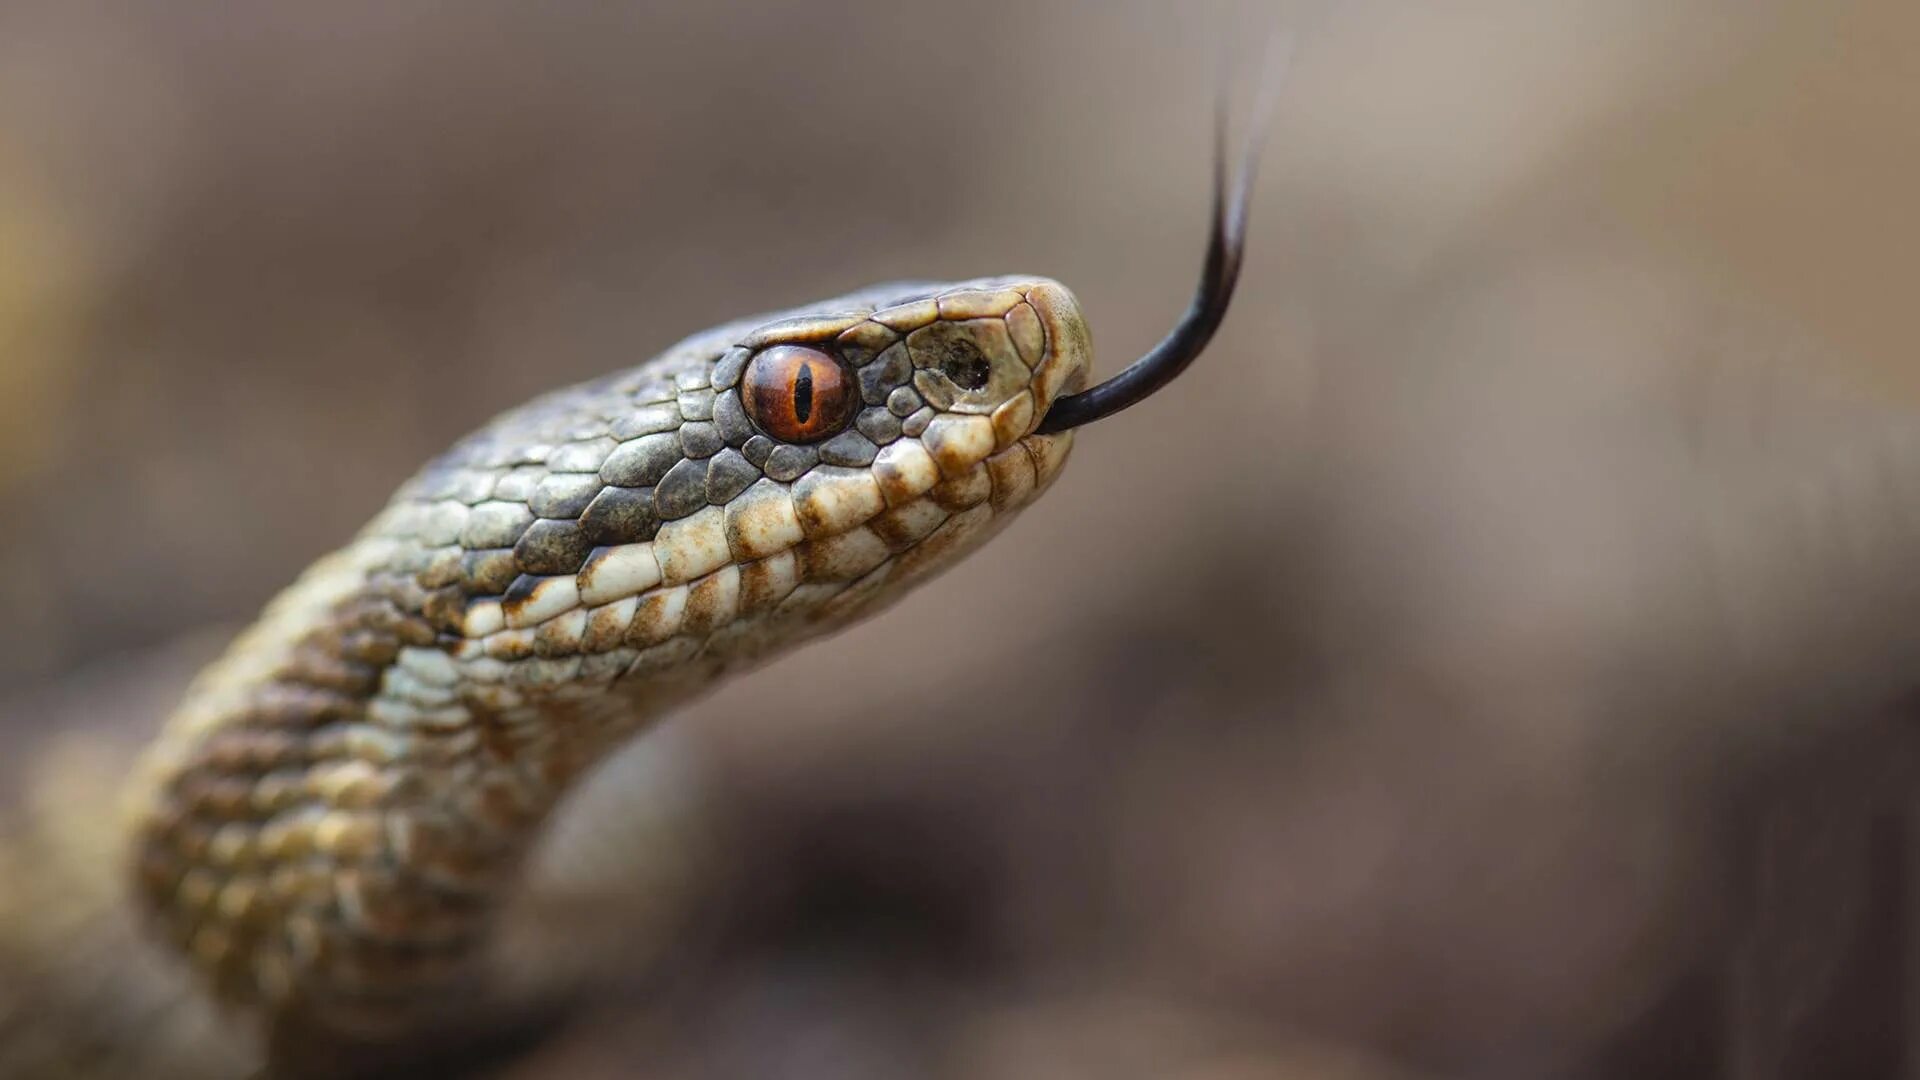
797	394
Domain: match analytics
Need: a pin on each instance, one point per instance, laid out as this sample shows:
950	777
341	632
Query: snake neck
335	814
329	825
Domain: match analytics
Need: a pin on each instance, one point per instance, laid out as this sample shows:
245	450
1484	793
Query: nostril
964	365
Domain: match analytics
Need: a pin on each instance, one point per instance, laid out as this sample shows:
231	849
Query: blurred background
1495	659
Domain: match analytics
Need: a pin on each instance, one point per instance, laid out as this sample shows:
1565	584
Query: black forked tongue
1225	246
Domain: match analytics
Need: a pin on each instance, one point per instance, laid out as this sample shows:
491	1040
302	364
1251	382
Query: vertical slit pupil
803	393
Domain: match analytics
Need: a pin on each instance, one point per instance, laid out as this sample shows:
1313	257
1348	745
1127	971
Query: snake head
897	428
965	371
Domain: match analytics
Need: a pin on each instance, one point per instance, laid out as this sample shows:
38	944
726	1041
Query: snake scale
325	832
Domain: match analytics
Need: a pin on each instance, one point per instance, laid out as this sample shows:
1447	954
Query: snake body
328	826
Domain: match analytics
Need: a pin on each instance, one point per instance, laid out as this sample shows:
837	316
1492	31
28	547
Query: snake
323	835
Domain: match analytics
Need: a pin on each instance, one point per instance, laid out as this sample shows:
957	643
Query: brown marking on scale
948	540
958	442
1014	419
444	568
607	625
514	601
510	644
832	499
766	582
657	616
533	600
851	602
367	646
693	546
1011	471
315	662
712	602
761	521
843	557
352	784
561	635
673	655
909	523
616	572
233	751
965	491
905	471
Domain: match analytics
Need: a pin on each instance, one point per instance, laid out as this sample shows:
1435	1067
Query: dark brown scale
564	495
643	461
552	547
291	705
249	750
729	474
329	742
445	568
619	515
379	610
520	591
550	641
488	573
317	662
369	647
446	609
683	490
222	799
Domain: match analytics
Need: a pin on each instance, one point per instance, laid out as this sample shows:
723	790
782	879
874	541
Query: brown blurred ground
1444	678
